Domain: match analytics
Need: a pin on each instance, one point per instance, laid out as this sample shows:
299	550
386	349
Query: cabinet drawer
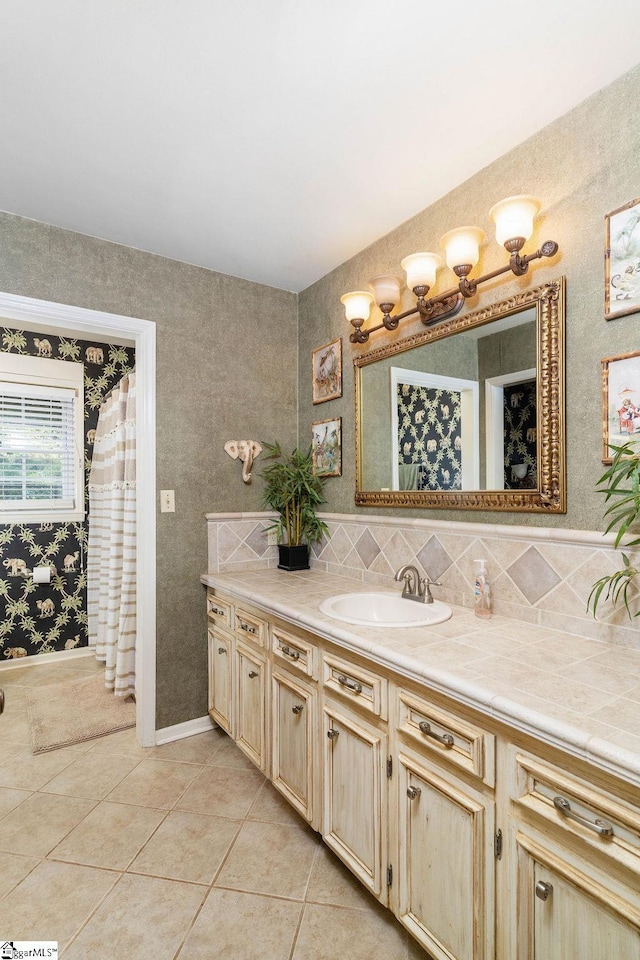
250	627
447	736
355	684
296	652
577	808
219	610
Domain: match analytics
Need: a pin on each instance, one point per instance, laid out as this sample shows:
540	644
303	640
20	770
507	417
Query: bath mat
74	711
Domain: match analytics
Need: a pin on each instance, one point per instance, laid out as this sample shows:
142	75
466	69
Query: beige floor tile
54	901
187	846
91	775
142	917
110	836
270	805
10	798
155	783
332	883
123	743
28	772
222	791
242	926
40	822
14	869
335	933
199	749
229	755
270	858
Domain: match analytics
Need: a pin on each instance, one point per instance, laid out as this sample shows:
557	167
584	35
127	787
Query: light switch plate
167	501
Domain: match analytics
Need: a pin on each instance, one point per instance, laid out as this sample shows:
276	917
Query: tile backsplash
537	575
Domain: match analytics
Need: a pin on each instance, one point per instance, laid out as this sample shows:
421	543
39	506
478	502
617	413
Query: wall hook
247	451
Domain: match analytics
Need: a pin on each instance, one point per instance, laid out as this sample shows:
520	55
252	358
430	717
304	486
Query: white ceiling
273	139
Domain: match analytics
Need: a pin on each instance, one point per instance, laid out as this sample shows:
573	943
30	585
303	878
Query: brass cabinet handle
288	652
444	738
333	734
543	890
253	674
222	649
602	827
247	628
413	792
299	707
1	701
350	684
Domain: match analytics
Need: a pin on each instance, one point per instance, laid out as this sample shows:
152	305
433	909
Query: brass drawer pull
602	827
299	707
288	652
413	792
543	890
221	613
333	734
350	684
222	649
253	674
247	628
444	738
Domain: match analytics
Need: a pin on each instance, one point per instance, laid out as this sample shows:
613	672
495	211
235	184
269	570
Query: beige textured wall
582	166
214	383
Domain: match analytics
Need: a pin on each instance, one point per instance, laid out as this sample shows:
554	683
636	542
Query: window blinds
37	448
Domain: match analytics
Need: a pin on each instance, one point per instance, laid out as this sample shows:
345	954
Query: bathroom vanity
490	830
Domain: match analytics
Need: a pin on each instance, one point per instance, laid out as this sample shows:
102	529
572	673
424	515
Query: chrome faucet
416	587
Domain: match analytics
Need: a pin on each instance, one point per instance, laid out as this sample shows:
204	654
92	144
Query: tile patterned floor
179	852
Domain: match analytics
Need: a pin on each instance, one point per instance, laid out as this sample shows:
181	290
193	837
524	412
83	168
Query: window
41	439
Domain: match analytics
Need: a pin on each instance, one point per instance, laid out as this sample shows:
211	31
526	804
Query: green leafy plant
294	492
620	484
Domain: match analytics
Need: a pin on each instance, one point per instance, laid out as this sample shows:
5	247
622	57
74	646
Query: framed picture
326	447
622	261
326	371
620	400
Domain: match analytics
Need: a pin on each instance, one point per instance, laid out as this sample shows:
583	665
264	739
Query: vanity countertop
578	694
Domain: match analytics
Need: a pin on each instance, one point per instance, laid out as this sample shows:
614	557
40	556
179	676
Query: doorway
48	316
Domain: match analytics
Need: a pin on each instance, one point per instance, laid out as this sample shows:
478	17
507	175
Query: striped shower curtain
111	550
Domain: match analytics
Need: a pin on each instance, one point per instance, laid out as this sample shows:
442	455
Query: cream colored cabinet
251	703
294	733
574	857
221	678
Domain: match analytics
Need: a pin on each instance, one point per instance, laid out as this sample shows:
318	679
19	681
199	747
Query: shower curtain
111	550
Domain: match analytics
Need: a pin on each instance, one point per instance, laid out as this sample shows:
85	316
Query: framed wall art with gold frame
326	371
622	261
620	401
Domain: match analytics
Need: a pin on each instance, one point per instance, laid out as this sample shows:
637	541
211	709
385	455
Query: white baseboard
181	730
40	658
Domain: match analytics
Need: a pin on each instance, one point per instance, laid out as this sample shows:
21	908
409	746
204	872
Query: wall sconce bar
513	218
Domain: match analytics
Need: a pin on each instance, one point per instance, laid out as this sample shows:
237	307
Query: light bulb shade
357	305
462	246
514	217
421	269
386	289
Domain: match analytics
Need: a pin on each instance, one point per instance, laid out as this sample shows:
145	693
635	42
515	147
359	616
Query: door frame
46	315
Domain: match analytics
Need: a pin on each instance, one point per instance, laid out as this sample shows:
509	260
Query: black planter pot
293	558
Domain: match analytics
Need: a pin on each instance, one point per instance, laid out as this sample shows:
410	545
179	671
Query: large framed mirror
469	413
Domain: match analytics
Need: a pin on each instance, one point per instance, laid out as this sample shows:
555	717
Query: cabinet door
565	911
294	733
445	862
251	704
355	795
221	680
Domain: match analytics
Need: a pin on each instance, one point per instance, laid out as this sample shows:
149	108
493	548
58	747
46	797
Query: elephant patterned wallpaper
429	436
520	447
46	618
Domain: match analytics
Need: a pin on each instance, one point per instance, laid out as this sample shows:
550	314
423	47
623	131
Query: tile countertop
578	694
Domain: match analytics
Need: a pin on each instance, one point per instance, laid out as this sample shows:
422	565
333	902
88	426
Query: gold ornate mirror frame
550	494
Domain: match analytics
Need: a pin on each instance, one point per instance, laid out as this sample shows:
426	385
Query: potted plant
294	492
620	485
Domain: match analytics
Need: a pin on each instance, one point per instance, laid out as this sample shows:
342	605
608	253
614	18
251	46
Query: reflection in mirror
469	413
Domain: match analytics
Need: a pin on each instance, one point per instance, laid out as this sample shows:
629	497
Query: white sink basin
382	609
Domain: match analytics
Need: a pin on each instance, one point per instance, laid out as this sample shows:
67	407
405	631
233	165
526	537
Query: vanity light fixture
513	218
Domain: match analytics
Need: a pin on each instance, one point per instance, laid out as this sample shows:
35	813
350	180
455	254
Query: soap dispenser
482	592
